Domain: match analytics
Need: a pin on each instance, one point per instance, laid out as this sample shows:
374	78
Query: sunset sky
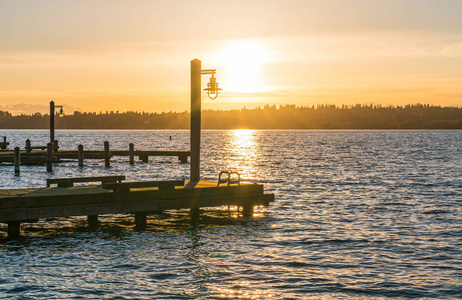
135	55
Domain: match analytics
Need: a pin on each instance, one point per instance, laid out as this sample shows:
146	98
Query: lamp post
52	119
212	91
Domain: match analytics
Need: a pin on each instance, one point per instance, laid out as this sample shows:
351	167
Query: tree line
323	116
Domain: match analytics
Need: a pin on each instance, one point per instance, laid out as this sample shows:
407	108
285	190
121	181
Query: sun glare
242	63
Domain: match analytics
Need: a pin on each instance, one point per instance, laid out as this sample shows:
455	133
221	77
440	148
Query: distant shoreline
287	117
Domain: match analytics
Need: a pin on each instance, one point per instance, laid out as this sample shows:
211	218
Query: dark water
358	214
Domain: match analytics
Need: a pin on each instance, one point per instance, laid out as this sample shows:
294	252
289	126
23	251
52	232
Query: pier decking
40	156
29	205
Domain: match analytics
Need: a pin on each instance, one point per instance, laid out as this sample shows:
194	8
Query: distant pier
50	153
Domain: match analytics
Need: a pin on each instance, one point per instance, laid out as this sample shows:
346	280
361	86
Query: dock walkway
29	205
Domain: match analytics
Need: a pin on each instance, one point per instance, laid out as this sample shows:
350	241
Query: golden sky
135	55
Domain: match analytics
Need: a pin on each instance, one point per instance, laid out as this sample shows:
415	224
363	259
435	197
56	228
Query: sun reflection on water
244	147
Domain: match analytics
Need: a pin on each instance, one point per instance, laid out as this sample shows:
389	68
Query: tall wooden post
80	155
50	157
107	162
17	160
195	119
131	153
52	121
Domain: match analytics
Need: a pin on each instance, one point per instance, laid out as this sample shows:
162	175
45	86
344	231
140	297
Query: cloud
24	108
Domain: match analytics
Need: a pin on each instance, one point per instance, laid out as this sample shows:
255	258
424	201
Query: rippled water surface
358	214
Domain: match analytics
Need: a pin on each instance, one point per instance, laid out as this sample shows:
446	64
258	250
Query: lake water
358	214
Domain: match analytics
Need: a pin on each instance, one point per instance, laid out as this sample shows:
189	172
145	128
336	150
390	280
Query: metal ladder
227	177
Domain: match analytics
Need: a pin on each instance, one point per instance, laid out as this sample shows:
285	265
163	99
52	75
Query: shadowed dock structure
114	197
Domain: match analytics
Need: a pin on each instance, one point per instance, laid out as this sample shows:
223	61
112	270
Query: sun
241	66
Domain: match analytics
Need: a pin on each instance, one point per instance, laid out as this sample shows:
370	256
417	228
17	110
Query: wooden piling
140	221
4	144
80	155
131	151
50	157
55	145
92	221
14	229
107	162
17	160
28	146
195	213
144	158
247	210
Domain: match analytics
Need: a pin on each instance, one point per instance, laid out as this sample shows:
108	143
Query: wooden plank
68	182
152	153
27	159
126	186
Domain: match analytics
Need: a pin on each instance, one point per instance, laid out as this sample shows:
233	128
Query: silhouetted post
17	160
50	157
247	210
140	221
131	153
80	155
92	221
195	119
195	213
107	162
28	146
55	145
5	144
52	121
14	229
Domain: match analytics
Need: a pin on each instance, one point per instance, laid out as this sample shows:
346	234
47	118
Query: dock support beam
14	229
17	160
92	221
131	151
247	210
80	155
140	221
195	119
49	157
55	145
195	213
107	162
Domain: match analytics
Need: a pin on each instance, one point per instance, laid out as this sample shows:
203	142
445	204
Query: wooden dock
139	198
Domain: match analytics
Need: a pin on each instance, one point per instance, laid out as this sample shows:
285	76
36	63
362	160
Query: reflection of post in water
197	256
